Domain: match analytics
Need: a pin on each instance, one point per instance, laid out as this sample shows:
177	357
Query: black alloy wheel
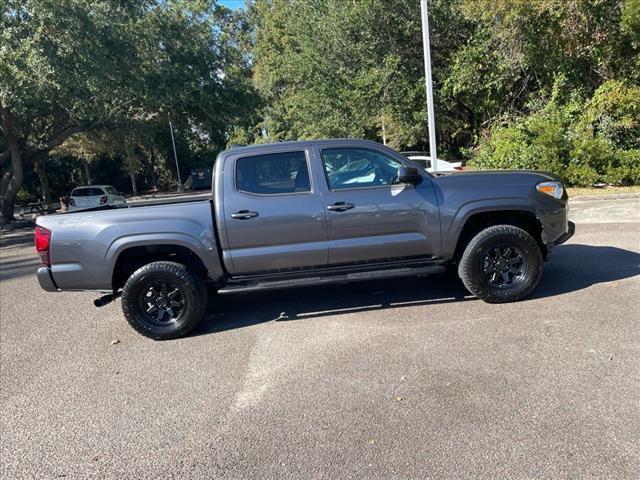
504	266
164	300
501	263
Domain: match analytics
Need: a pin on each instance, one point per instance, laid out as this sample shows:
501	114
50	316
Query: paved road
402	379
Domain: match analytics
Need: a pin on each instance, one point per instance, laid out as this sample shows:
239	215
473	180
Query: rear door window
273	174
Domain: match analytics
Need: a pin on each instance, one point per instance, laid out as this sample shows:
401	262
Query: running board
330	279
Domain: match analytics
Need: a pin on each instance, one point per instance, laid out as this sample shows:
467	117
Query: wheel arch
128	256
479	220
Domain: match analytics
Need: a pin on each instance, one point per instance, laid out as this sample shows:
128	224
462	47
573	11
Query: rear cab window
273	174
87	192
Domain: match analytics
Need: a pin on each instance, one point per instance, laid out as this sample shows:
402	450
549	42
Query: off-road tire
472	262
192	291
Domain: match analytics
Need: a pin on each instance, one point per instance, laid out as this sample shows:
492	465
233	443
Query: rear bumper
46	280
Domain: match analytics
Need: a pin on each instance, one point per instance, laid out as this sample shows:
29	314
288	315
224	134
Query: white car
425	162
94	196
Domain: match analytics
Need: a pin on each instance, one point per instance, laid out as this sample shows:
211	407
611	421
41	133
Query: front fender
454	221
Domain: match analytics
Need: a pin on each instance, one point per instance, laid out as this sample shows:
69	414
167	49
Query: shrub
23	197
625	168
583	142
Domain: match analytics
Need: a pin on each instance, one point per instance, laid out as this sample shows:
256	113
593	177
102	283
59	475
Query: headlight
555	189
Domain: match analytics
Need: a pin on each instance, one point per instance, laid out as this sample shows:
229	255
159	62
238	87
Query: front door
371	217
274	218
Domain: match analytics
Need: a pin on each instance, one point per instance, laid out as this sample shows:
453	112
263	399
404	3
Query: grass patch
582	191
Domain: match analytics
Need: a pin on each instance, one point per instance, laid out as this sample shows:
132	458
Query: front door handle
244	215
340	206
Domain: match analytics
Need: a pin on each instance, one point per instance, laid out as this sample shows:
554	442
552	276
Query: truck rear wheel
502	263
164	300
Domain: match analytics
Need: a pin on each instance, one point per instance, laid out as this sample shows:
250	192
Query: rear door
372	218
273	215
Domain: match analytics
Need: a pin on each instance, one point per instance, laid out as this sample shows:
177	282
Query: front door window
348	168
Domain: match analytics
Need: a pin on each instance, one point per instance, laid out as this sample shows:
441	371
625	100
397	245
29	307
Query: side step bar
330	279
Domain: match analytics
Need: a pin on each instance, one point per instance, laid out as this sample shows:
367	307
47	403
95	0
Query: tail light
43	245
459	168
103	200
72	202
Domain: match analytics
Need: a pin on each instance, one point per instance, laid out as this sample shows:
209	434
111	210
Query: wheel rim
162	302
504	266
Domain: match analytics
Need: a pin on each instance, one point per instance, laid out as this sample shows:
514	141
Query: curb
17	225
608	196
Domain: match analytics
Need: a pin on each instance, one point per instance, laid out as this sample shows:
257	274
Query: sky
232	4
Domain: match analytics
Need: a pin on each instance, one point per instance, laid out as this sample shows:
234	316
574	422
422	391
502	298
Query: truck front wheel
164	300
502	263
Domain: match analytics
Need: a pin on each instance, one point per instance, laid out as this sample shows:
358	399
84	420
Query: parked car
91	196
425	162
296	214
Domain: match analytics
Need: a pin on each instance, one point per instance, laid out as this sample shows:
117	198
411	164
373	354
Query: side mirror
409	175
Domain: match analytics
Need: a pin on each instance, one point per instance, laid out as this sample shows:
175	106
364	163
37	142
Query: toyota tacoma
296	214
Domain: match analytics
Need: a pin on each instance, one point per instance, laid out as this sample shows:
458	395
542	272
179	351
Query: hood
496	178
490	184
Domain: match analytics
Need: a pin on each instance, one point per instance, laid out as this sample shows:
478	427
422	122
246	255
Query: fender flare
467	210
208	256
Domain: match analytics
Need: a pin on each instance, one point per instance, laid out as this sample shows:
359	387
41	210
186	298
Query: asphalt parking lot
403	379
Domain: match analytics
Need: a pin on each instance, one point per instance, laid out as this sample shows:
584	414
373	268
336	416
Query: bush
625	168
23	197
583	142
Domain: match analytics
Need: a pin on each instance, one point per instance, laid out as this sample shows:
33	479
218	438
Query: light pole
175	155
428	84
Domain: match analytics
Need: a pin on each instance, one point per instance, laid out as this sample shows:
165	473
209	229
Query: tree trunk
150	170
133	183
4	184
38	166
4	180
87	173
11	185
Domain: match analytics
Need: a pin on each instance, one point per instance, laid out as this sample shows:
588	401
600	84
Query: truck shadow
572	268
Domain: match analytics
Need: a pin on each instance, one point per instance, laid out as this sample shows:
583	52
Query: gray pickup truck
306	213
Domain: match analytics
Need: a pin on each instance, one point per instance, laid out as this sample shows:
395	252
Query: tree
73	66
337	68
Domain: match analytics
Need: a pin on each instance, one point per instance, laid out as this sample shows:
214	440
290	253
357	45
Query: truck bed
168	200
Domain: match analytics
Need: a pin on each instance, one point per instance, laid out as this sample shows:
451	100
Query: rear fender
207	255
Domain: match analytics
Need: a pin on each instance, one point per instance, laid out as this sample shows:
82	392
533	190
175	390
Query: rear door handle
340	206
244	215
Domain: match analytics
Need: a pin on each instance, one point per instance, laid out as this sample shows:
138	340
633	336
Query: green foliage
630	20
583	141
24	197
120	68
350	69
546	84
511	78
